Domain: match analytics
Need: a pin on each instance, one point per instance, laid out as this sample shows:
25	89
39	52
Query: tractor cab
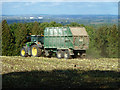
37	38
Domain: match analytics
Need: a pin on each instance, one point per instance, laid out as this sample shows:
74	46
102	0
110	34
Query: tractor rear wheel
23	52
36	51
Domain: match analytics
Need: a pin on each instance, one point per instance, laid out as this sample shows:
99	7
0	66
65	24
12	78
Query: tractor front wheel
36	51
23	52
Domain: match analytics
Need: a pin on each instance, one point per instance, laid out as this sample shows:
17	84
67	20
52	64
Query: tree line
103	40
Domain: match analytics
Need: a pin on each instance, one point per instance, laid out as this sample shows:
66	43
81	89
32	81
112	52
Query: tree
74	24
52	24
21	37
7	39
43	26
29	27
113	39
0	39
92	51
35	29
101	40
106	40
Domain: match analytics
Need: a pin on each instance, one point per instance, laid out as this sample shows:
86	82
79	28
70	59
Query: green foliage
106	39
92	52
29	27
101	40
54	24
73	24
35	29
20	37
0	39
113	39
7	39
42	26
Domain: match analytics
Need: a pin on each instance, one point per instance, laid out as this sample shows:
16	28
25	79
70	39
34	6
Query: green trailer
66	41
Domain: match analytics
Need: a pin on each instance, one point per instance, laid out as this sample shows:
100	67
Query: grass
40	72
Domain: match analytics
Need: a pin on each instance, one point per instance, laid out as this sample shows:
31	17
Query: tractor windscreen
34	38
37	38
41	39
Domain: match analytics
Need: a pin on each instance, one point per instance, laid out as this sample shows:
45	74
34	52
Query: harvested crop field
41	72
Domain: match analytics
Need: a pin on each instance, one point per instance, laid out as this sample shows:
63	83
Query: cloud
52	4
29	3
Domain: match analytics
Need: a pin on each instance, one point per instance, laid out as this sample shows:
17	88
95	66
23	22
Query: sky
58	8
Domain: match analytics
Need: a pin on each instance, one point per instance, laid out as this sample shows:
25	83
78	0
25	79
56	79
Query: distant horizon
58	14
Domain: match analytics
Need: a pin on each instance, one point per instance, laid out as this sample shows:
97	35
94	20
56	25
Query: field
42	72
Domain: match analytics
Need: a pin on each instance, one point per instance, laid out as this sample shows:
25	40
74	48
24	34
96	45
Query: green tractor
34	47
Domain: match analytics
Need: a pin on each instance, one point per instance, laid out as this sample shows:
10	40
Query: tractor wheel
23	52
67	54
59	54
36	51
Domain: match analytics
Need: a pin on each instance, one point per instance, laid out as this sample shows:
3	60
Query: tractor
34	47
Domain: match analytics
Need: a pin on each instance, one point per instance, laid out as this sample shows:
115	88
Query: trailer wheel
59	54
47	54
23	52
83	55
36	51
77	55
67	54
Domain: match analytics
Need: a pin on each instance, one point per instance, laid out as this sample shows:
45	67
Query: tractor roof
35	35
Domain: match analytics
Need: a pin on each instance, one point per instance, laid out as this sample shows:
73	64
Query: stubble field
41	72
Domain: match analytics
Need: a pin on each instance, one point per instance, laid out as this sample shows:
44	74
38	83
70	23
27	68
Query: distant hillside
63	19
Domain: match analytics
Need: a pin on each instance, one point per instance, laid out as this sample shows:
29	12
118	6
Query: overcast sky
87	8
